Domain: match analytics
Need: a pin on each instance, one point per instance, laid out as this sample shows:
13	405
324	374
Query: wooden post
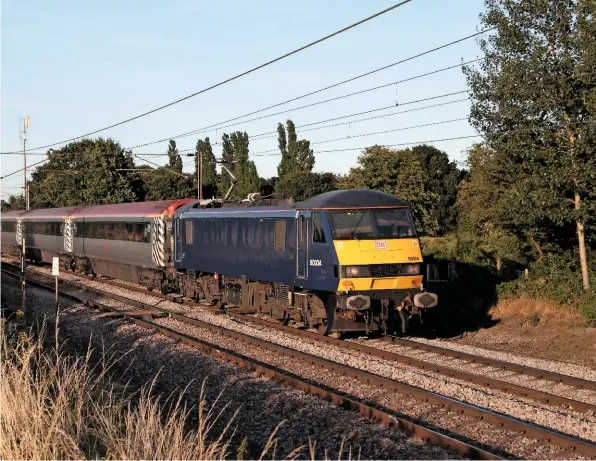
23	270
55	273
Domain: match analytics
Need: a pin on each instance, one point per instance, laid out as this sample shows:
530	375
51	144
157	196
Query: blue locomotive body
270	244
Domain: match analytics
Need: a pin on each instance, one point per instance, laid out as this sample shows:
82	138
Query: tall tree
480	197
209	176
175	161
235	156
227	157
442	177
397	172
86	172
244	169
534	101
297	158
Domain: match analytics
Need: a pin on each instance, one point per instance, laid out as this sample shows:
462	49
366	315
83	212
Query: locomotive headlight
356	271
411	269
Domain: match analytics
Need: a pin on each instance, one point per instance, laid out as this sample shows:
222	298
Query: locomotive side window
188	231
280	235
318	235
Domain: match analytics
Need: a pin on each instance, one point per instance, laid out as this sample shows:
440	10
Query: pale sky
76	66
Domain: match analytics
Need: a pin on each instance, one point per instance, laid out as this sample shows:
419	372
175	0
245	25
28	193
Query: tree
174	159
15	202
297	158
442	177
534	101
209	176
396	172
86	172
244	169
168	184
235	157
301	185
480	197
227	157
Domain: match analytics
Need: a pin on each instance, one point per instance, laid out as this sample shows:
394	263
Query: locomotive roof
353	198
339	199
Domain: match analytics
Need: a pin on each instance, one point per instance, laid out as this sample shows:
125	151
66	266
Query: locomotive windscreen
372	224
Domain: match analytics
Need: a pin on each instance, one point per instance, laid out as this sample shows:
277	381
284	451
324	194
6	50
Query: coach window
188	232
129	231
280	235
318	235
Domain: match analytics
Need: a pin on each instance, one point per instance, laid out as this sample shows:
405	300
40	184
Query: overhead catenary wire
335	124
380	145
373	133
305	127
235	77
218	125
271	134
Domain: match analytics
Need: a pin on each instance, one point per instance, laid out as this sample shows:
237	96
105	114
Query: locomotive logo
380	245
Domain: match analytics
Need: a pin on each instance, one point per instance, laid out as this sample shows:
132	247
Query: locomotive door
302	244
176	239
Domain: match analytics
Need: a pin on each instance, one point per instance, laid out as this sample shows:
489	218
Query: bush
557	278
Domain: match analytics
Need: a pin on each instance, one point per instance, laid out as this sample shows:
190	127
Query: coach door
302	244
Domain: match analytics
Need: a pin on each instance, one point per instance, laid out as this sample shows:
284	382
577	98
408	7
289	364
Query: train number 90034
316	262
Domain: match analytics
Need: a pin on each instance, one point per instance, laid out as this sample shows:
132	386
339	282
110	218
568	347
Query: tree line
101	171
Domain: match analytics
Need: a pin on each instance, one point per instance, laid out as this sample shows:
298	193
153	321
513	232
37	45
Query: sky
75	66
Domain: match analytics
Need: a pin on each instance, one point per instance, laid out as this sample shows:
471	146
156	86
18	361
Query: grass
533	312
56	405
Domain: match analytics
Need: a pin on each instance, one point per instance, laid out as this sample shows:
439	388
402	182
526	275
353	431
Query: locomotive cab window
318	235
372	224
188	232
280	235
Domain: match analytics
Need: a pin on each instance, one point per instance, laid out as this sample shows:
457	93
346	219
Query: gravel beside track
563	390
262	404
555	366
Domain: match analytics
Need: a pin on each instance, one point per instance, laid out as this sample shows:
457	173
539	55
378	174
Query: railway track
404	359
146	314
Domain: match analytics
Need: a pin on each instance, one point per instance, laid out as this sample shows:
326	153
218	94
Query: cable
217	125
272	134
160	166
384	145
260	136
254	69
337	84
18	171
258	154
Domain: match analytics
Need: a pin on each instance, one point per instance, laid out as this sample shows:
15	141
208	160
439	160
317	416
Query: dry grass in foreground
55	406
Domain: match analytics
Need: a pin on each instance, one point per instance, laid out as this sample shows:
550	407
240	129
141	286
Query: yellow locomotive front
379	268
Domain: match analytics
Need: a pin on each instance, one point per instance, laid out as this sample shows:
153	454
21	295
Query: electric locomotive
345	260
